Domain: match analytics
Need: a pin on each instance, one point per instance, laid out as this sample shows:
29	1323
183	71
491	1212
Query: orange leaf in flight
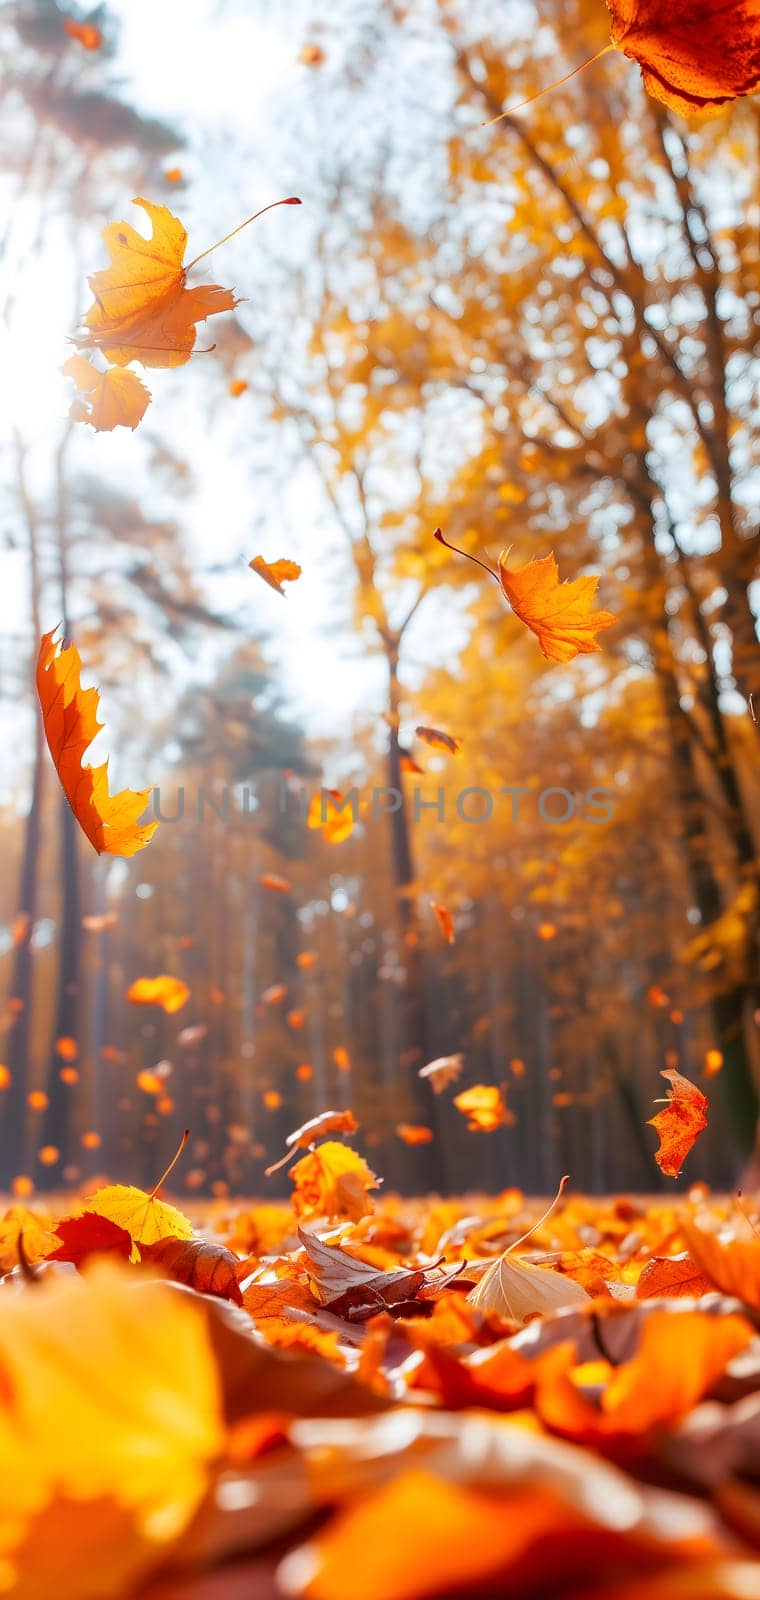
143	308
414	1133
168	993
559	614
680	1124
237	387
272	880
173	175
443	1071
445	921
438	741
328	811
341	1058
693	54
484	1107
302	1138
108	400
276	573
70	720
85	33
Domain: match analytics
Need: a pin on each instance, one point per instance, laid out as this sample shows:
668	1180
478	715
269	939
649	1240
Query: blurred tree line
540	335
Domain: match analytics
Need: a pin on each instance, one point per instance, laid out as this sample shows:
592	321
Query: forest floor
381	1400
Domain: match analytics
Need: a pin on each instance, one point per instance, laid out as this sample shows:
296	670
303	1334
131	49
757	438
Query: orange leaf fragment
414	1133
438	741
272	880
276	573
112	399
272	1099
341	1058
445	921
164	991
173	175
237	387
328	811
680	1124
311	55
85	33
693	54
66	1048
484	1107
306	959
70	720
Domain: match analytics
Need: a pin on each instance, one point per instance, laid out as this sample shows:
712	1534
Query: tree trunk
425	1165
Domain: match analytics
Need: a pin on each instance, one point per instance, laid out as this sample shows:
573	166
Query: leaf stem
291	201
172	1164
455	547
521	104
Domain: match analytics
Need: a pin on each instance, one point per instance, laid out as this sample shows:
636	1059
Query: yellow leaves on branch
559	614
70	720
143	311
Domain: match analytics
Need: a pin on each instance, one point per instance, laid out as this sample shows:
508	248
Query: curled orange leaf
445	921
680	1124
70	720
275	573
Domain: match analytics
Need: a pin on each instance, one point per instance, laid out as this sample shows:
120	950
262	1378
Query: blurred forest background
539	334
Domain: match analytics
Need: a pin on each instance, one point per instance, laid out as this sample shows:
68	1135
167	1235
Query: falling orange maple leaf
236	387
272	880
164	991
143	308
85	33
483	1106
332	1181
445	921
276	573
107	400
693	54
559	614
680	1124
70	720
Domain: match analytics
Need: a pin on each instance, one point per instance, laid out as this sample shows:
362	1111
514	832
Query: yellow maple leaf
559	614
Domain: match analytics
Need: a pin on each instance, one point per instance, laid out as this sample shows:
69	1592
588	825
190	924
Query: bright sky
219	72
